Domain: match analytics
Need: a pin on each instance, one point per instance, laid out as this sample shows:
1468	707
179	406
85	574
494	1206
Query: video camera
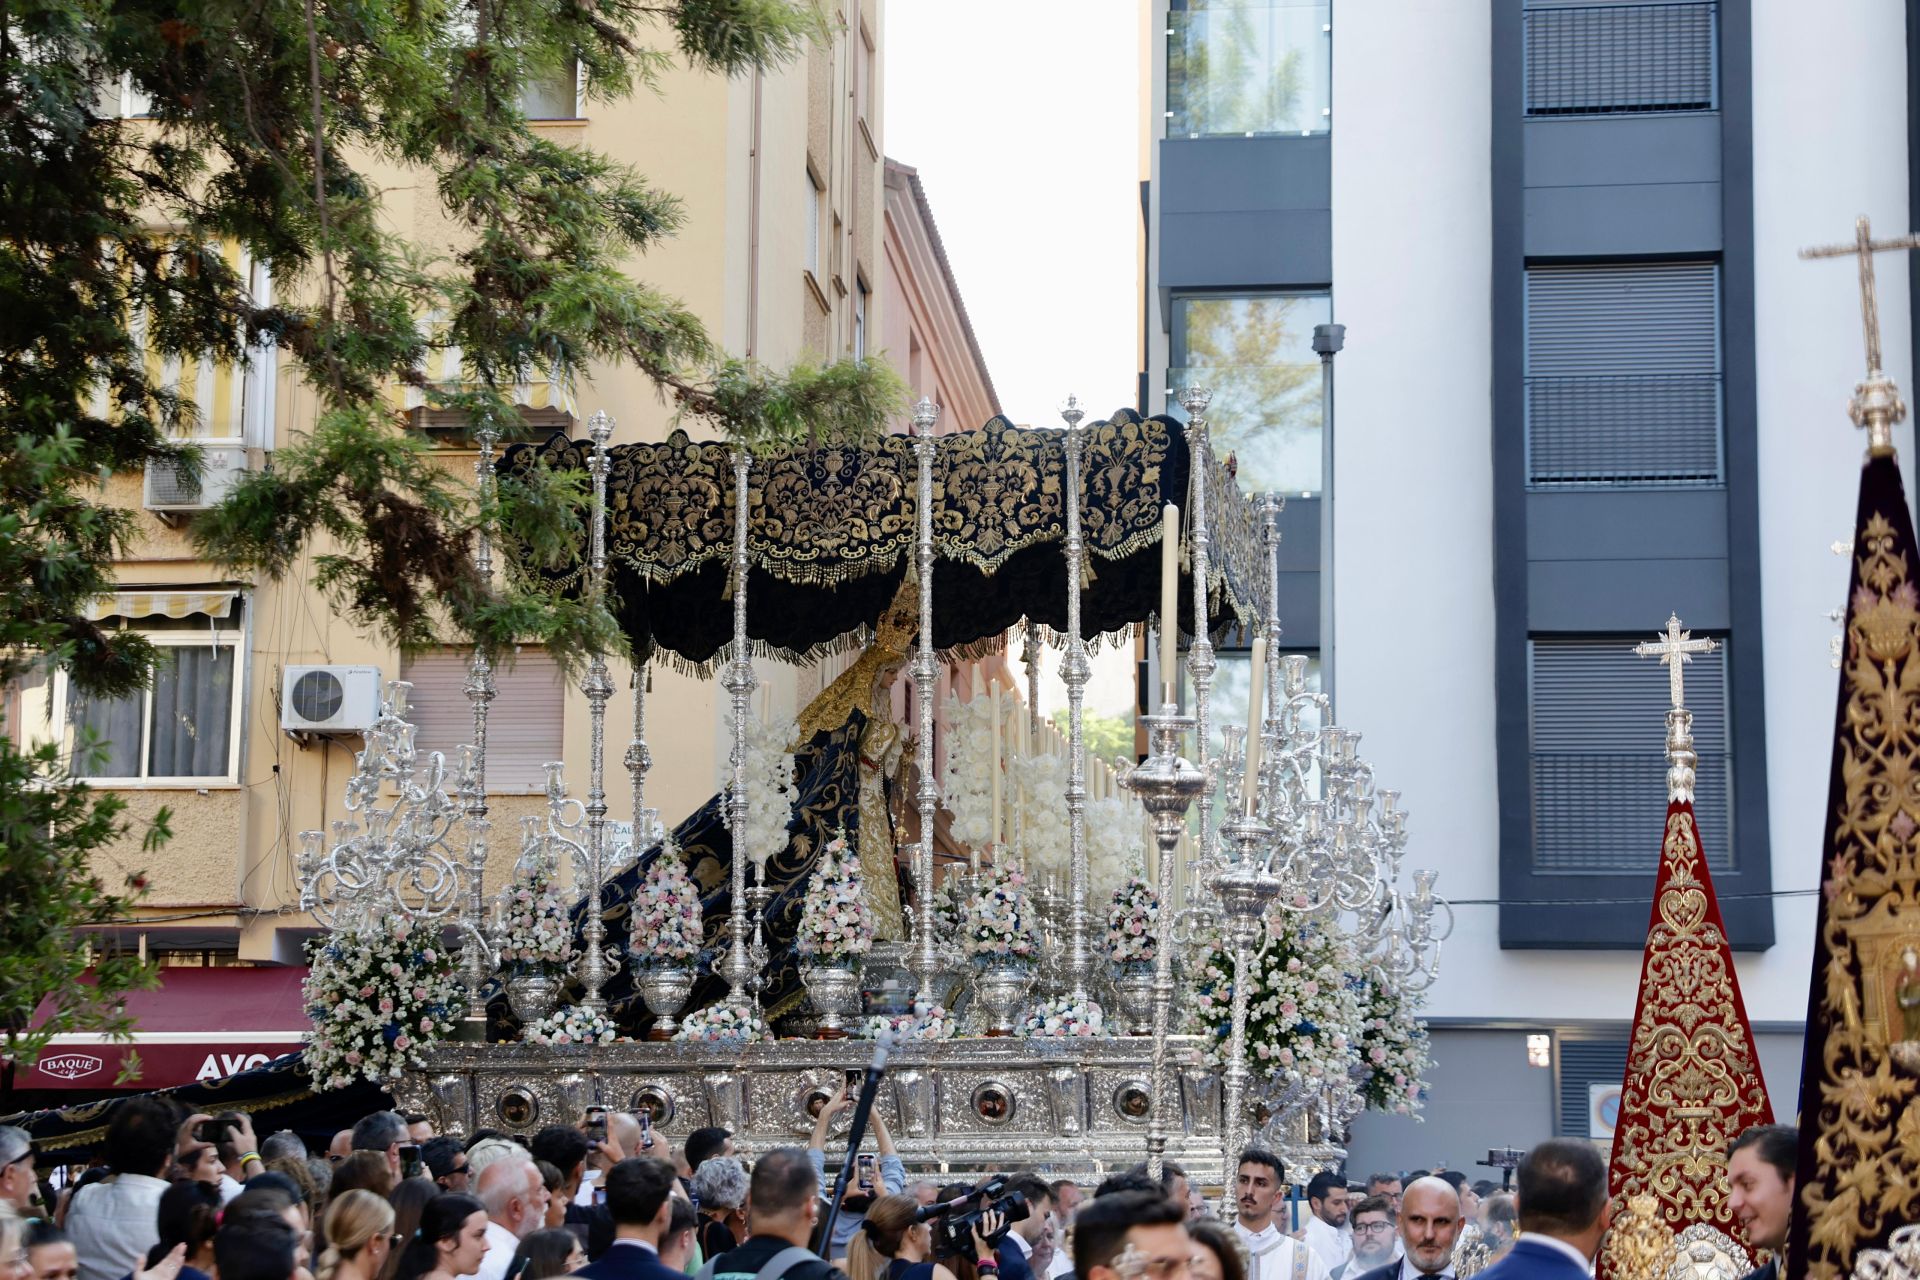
953	1235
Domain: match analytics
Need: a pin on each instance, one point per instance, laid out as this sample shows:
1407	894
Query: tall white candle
993	698
1169	597
1256	697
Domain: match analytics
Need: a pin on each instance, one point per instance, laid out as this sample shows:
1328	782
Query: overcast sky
1023	121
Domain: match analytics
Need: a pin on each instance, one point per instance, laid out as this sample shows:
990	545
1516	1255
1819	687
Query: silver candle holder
1246	888
926	963
1167	786
739	682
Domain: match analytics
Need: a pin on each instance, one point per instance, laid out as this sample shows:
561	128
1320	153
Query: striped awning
215	390
145	602
443	368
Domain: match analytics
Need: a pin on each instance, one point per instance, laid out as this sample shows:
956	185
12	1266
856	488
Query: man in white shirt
1271	1255
113	1223
515	1199
1326	1232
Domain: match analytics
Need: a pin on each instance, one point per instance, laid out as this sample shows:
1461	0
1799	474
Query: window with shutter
1583	1064
1623	375
1598	762
524	721
1612	59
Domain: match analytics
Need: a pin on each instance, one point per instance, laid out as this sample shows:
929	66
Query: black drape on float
831	536
1860	1080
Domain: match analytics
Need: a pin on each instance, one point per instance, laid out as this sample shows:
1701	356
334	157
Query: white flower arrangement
571	1024
539	934
1041	801
937	1024
834	920
966	785
996	925
664	920
377	998
1116	843
722	1023
771	791
1303	1014
1063	1016
1131	919
1393	1050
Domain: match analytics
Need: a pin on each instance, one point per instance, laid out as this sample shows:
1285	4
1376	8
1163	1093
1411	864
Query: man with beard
1271	1255
1429	1225
1326	1232
1373	1236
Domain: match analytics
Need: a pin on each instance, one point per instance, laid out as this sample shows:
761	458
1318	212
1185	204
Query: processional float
710	556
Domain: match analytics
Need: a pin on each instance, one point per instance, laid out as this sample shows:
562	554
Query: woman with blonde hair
359	1237
890	1245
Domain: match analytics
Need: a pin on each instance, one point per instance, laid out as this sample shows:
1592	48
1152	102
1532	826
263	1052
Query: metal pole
1328	339
1076	671
1200	660
926	962
598	687
739	682
475	962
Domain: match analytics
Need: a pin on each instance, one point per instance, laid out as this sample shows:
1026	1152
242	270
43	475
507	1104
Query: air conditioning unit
172	486
329	699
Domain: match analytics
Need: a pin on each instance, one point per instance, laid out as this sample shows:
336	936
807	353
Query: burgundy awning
198	1024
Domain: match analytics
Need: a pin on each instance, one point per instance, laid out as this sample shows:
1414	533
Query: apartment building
1585	381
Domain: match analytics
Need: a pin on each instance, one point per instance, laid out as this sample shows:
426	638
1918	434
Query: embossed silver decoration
1167	786
834	988
665	988
1076	671
532	995
1133	993
739	681
1000	989
1247	888
591	870
479	956
926	952
1201	663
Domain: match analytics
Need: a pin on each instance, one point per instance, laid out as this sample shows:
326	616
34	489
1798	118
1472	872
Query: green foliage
267	124
1107	737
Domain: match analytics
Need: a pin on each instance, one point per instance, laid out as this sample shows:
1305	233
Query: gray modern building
1586	382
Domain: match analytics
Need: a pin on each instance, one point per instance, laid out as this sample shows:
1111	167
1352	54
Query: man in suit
1429	1225
1561	1195
1016	1249
567	1149
638	1192
1374	1236
1760	1168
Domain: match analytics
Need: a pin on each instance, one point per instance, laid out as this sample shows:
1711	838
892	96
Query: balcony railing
1622	58
1602	812
1241	70
1654	430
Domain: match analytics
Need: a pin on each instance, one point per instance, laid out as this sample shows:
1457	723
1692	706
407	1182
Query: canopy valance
832	534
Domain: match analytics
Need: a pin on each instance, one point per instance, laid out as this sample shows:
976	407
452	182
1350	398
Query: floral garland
834	920
937	1024
665	920
722	1023
771	791
966	784
1131	918
539	933
1303	1014
377	998
571	1024
1393	1050
996	917
1063	1016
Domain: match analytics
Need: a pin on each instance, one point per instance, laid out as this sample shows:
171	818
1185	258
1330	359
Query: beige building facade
782	180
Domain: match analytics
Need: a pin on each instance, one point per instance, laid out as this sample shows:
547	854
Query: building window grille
1624	381
1243	69
1619	59
1598	759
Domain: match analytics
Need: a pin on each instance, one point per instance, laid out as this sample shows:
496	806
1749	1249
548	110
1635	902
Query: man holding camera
1016	1251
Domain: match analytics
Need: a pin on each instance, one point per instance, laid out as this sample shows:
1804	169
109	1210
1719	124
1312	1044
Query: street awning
198	1024
145	602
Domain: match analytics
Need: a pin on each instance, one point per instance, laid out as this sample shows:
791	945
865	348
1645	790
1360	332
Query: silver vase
1000	986
665	987
532	995
833	984
1133	991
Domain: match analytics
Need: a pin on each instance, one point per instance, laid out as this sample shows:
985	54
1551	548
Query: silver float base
1065	1107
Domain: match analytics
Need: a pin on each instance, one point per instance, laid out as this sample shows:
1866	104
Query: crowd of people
200	1198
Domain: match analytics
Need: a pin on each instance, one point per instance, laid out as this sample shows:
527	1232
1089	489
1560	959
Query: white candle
1169	597
1256	695
993	697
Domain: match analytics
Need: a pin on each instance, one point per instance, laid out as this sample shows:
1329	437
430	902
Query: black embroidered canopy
831	536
